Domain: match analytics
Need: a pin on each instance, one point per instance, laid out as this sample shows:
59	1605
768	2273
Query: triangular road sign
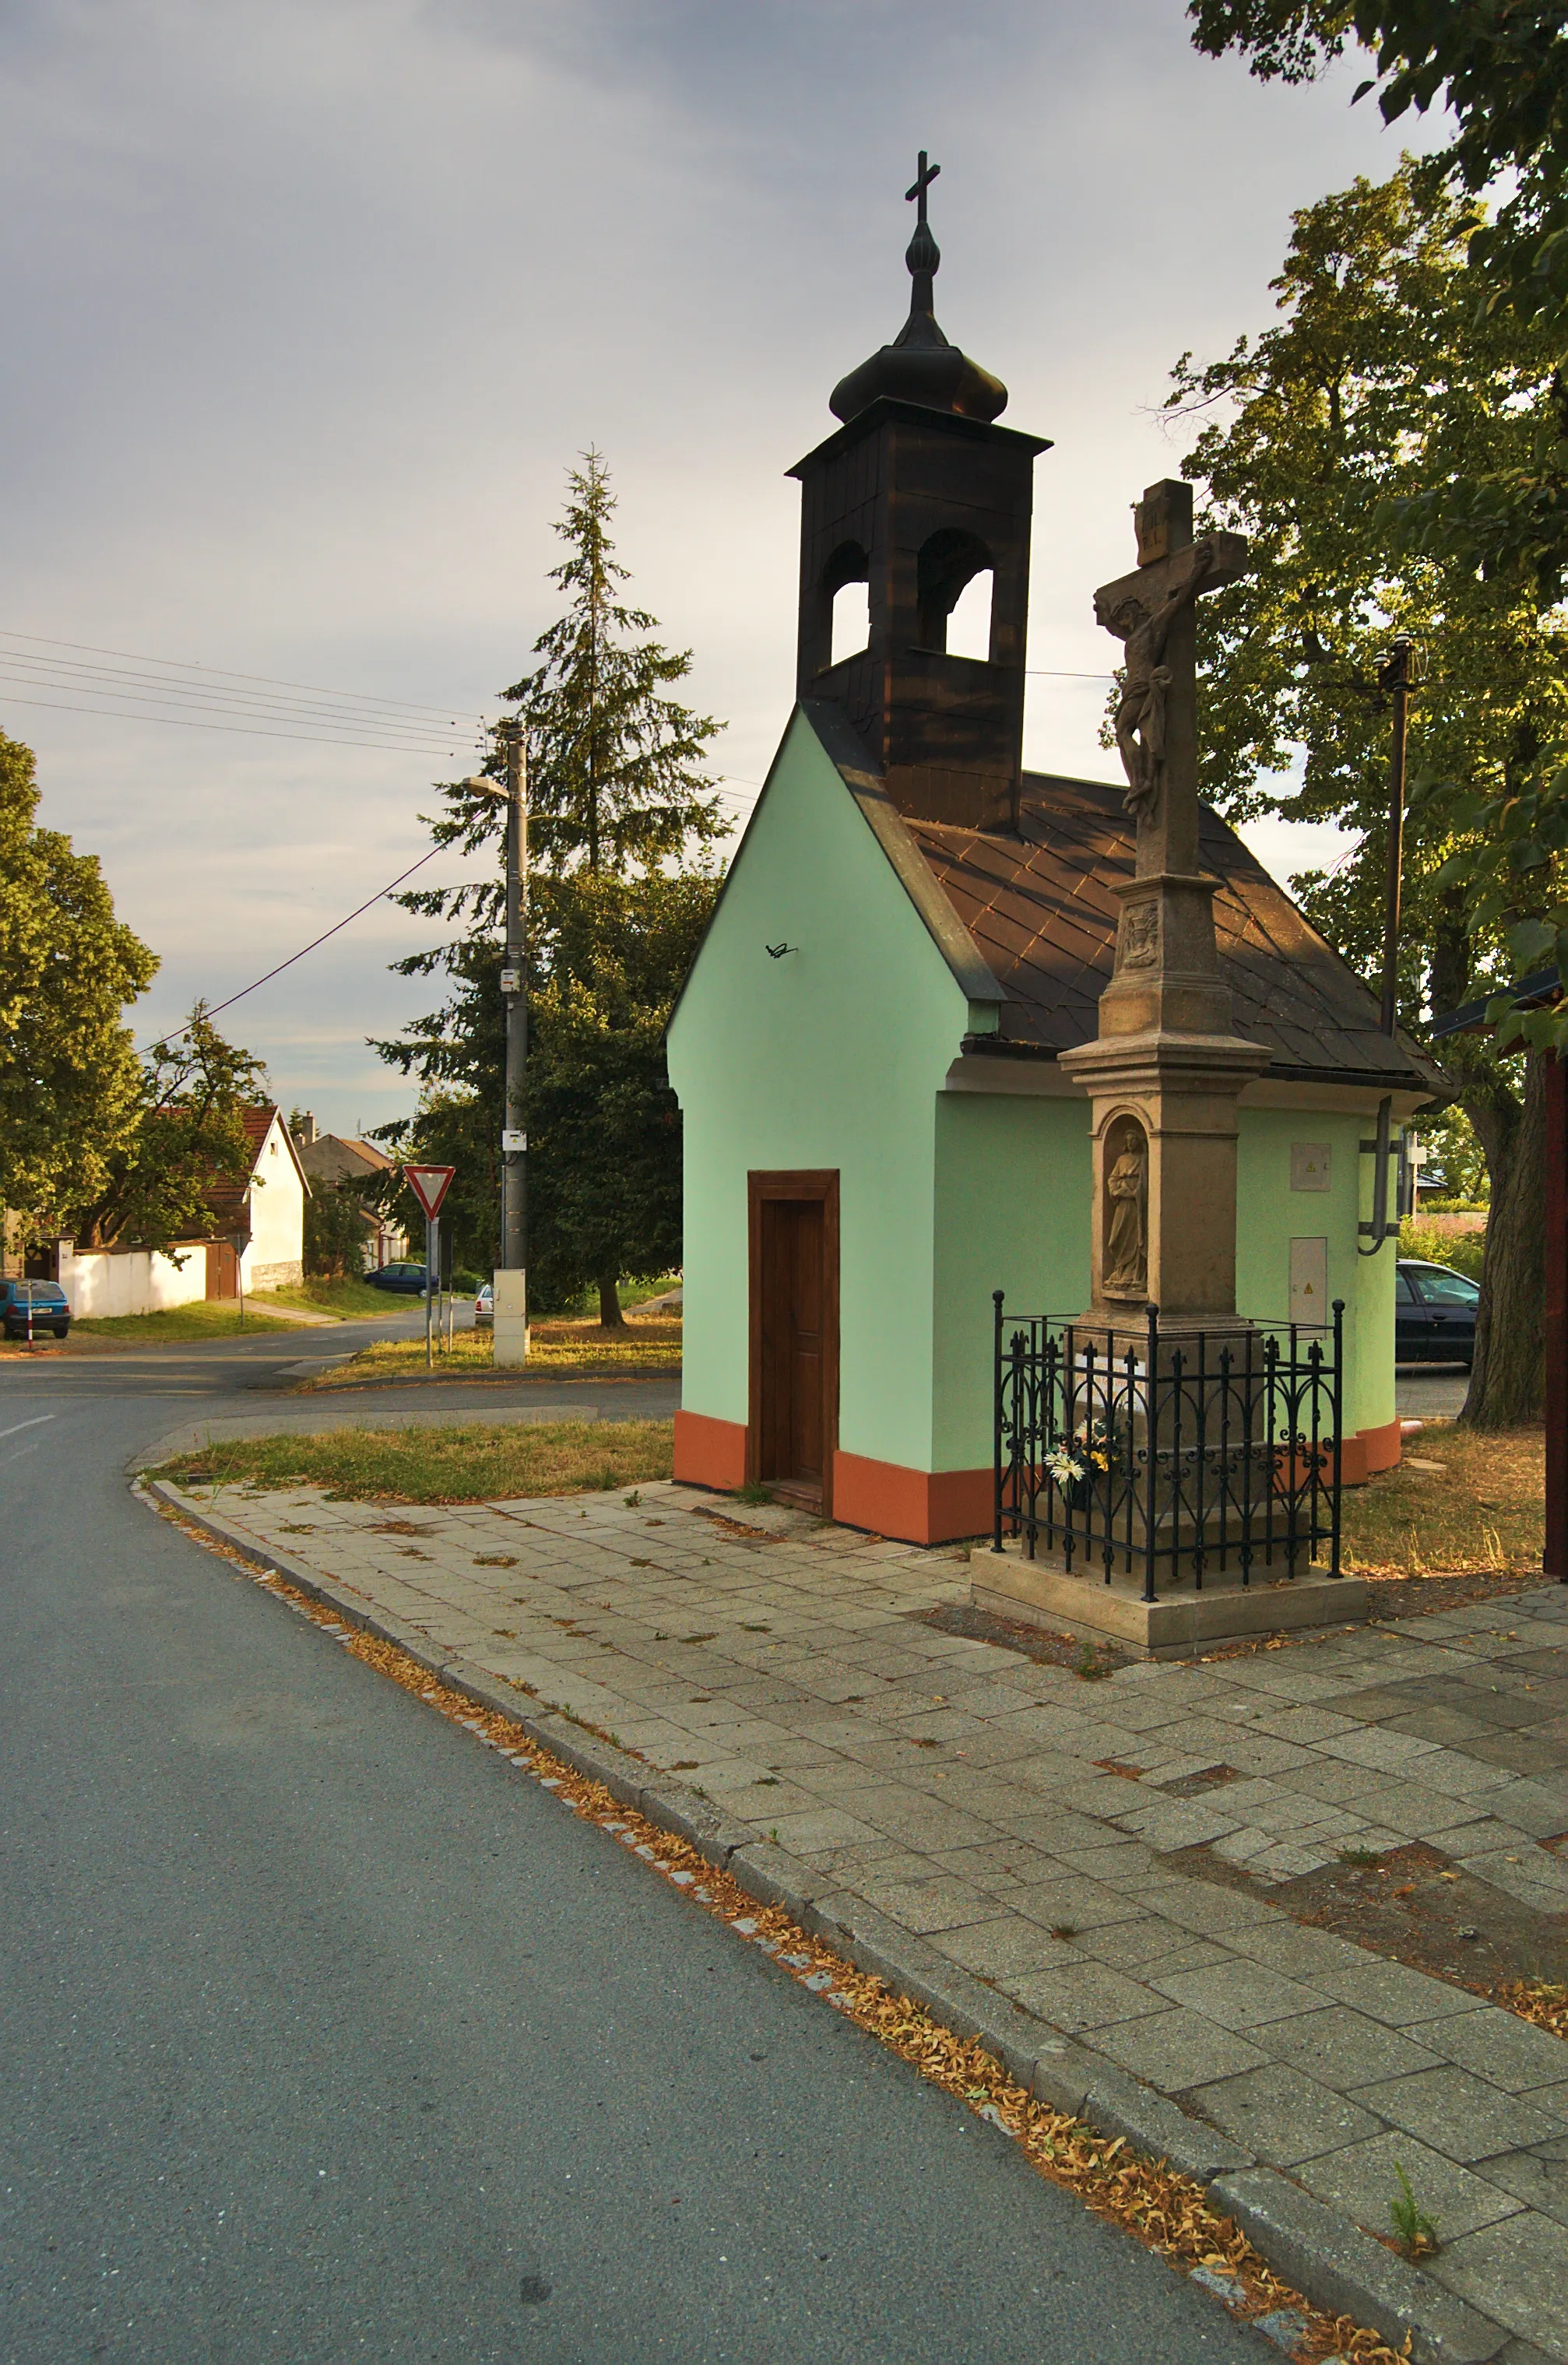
429	1185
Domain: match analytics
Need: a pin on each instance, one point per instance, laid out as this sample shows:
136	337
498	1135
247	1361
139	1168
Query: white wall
277	1216
103	1282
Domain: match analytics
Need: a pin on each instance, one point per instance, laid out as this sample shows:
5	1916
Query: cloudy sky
308	304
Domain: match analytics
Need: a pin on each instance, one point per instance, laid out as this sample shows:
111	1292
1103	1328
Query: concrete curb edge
1326	2257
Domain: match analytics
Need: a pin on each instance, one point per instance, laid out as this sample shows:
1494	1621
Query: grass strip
1169	2213
202	1319
474	1461
649	1343
1462	1500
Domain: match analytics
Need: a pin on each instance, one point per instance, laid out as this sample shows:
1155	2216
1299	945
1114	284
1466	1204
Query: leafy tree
334	1230
188	1143
617	795
69	1085
1501	67
1381	379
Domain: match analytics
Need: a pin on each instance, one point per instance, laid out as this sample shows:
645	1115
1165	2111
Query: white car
485	1308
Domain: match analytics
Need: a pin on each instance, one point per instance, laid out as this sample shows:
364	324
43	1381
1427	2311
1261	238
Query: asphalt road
325	2035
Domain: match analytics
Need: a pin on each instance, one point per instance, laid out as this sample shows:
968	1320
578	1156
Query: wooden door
222	1270
794	1334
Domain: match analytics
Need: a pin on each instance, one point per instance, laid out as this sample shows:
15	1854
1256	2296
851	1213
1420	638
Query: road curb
1324	2255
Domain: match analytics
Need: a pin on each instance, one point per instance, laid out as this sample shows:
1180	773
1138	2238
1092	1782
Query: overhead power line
183	664
336	928
144	689
249	730
138	688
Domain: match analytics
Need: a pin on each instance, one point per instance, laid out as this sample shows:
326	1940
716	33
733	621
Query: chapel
885	1051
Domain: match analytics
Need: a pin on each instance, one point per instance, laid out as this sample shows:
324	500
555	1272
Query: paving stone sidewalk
959	1789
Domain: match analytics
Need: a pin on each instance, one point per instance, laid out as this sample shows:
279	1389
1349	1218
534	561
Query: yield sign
429	1185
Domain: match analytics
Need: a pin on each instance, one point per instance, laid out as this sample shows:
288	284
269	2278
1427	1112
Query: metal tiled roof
1042	914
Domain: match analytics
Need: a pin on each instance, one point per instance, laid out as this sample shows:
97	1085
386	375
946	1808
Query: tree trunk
610	1315
1508	1379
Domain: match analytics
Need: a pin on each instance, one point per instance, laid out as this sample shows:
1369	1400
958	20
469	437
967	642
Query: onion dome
920	365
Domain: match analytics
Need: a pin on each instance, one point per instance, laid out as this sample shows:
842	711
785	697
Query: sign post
430	1186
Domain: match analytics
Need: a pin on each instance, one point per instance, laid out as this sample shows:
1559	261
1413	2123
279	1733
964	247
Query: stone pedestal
1163	1079
510	1343
1182	1622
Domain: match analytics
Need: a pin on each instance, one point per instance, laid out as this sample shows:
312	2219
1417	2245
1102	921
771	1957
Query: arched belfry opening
932	502
843	618
953	570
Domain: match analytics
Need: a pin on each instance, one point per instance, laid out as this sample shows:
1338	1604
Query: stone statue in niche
1125	1258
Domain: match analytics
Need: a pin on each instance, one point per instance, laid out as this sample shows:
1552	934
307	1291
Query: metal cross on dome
922	180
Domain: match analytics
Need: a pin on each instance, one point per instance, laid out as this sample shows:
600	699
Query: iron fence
1180	1455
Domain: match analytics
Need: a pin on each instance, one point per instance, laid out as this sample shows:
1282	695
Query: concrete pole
510	1339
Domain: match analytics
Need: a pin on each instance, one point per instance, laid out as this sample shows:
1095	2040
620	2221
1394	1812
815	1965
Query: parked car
485	1307
50	1308
1434	1314
408	1279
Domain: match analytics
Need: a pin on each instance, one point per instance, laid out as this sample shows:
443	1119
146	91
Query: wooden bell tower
916	494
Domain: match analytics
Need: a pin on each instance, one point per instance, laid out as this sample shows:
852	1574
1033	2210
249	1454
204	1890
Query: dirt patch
1414	1905
1037	1642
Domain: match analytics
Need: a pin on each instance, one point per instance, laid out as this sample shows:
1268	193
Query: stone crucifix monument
1165	1073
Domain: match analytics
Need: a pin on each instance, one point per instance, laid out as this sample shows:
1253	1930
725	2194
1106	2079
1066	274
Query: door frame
819	1184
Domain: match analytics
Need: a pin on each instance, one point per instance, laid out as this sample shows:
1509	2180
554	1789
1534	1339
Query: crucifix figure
1151	612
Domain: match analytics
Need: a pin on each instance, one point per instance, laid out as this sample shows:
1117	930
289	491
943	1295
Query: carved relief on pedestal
1140	936
1124	1212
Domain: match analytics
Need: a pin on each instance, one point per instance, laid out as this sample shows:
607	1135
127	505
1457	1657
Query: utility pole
1394	678
510	1342
514	984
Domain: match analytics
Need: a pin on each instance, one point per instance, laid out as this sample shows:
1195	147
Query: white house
269	1207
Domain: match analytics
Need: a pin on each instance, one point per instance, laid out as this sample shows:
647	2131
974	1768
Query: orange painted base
918	1506
709	1452
1369	1451
926	1506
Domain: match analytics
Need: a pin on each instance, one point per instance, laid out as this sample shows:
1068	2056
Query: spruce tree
618	798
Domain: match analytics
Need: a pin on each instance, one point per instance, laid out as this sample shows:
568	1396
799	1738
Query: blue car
43	1300
1434	1314
407	1279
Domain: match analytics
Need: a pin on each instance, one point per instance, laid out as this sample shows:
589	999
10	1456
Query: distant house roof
343	1157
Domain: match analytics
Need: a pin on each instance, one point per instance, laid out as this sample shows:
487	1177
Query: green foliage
617	796
1500	68
1418	2235
188	1143
335	1231
1463	1251
1455	1170
615	765
617	762
69	1085
1380	381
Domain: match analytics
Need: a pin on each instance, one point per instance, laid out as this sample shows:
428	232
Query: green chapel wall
1013	1177
1270	1215
832	1055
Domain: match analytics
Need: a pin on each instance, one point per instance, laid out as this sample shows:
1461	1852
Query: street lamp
510	1338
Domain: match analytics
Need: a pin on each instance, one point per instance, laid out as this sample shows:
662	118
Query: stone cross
1151	612
1167	1067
